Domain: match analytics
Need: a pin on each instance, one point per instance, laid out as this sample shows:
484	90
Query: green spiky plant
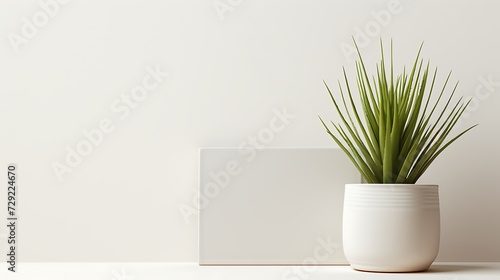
396	131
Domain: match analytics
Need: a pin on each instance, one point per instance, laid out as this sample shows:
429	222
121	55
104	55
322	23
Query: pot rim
392	185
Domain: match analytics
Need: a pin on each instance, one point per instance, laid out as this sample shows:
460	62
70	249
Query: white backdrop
104	104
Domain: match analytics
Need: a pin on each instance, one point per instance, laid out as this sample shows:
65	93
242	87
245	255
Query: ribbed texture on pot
392	196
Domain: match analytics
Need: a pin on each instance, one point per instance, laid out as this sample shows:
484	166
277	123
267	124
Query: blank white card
272	206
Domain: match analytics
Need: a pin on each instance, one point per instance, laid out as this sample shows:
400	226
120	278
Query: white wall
227	73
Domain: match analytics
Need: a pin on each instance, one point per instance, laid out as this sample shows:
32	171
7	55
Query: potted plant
392	135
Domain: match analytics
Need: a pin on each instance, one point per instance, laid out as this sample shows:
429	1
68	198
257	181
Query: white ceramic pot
391	227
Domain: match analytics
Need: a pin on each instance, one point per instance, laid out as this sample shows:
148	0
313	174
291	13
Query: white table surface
188	271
